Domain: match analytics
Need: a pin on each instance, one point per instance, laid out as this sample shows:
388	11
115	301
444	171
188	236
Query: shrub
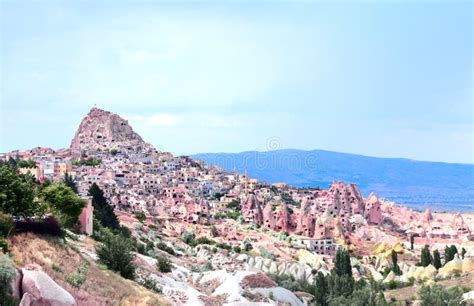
151	285
201	240
3	245
78	277
7	274
140	216
224	246
164	247
56	268
237	249
164	265
46	226
266	254
7	226
64	202
206	267
437	295
116	253
187	237
392	284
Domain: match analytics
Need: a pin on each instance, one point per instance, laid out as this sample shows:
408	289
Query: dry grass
407	293
102	287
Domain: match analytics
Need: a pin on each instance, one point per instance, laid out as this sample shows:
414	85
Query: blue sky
391	79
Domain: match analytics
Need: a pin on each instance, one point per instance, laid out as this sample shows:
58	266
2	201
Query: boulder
242	257
429	272
273	268
16	285
40	289
375	274
451	267
467	264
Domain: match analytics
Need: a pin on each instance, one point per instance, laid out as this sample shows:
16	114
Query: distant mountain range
419	184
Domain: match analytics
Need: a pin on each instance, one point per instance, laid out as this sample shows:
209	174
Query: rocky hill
102	130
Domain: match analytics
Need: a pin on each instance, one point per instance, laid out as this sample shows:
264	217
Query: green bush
151	285
224	246
437	295
116	253
7	226
206	267
63	202
56	268
140	216
164	247
392	285
187	237
266	254
164	265
201	240
7	275
78	277
3	245
237	249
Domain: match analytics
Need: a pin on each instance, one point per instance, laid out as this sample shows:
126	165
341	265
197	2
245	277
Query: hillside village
262	229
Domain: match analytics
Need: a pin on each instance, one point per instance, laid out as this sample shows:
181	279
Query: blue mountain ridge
418	184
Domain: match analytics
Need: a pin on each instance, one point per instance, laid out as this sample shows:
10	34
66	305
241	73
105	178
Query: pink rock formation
373	212
101	131
282	218
268	217
252	210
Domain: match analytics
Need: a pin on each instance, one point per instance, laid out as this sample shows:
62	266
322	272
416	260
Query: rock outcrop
101	131
39	289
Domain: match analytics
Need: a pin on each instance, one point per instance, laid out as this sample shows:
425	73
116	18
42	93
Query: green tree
436	259
437	295
449	252
63	202
395	267
16	193
69	181
425	257
26	163
342	263
116	253
140	216
412	241
321	292
463	252
102	210
164	264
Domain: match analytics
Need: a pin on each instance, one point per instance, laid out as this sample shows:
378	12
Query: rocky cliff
102	131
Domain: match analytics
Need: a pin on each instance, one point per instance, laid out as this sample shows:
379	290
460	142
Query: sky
379	78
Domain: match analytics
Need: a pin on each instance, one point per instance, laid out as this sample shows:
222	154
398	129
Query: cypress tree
102	210
412	241
69	181
425	256
395	267
321	291
436	259
463	252
447	254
